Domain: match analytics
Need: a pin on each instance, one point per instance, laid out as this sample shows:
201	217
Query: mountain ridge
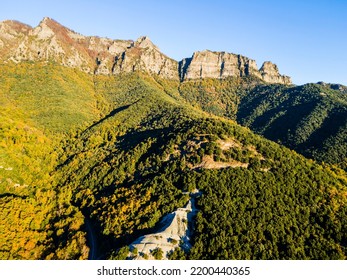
52	41
94	158
123	151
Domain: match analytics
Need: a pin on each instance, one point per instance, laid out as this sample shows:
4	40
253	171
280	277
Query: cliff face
52	41
208	64
143	55
270	74
11	32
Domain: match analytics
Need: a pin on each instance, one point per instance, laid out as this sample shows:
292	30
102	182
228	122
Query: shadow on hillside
331	127
12	195
111	114
133	138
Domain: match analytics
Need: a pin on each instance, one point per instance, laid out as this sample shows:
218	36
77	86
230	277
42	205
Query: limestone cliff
208	64
269	73
50	41
143	55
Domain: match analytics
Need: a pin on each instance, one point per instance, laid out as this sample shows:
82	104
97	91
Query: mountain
91	162
52	41
310	119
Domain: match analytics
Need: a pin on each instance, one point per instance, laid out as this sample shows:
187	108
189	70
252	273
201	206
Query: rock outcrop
270	74
143	55
50	41
11	32
208	64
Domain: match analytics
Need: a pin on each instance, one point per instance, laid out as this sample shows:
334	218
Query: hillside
132	161
310	119
91	162
40	107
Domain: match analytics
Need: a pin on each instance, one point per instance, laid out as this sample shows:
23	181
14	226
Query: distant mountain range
52	41
103	141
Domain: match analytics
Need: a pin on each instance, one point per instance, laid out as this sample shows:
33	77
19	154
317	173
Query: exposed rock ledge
208	64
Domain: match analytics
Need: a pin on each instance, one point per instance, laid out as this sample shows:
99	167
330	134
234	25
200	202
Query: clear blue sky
305	38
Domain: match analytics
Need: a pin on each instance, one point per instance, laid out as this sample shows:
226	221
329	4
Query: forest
112	155
310	119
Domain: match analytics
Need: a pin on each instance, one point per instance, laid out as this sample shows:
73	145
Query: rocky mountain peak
11	32
44	30
143	55
269	73
55	26
49	28
13	27
145	42
48	20
52	41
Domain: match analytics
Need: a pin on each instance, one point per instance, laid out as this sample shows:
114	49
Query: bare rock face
104	51
50	41
269	73
42	42
11	32
145	56
207	64
219	65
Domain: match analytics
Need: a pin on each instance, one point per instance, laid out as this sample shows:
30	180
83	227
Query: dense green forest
310	119
110	155
39	108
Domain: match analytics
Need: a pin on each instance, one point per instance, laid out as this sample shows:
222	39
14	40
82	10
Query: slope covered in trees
120	152
311	119
40	105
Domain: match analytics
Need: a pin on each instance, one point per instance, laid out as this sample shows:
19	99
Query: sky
305	38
